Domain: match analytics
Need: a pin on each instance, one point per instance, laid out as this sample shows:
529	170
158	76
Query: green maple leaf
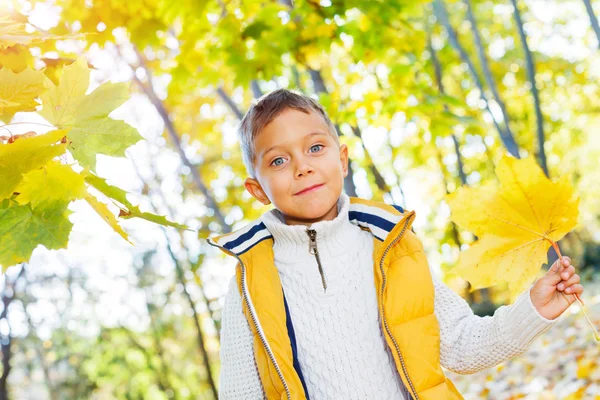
23	228
91	130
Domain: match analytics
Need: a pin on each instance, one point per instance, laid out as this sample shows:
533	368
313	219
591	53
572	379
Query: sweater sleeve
239	377
470	343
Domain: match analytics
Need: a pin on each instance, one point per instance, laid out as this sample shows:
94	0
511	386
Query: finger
575	289
567	273
553	276
555	267
560	264
566	284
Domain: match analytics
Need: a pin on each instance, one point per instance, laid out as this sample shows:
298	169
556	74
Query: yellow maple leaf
25	155
54	183
18	91
14	32
15	58
107	215
516	224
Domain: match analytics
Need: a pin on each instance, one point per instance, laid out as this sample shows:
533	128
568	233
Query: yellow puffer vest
405	301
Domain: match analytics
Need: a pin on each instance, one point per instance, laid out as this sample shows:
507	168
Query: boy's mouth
309	189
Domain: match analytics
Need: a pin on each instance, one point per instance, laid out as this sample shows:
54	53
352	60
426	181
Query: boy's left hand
555	292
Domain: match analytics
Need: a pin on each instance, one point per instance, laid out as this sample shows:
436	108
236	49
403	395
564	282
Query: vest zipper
312	249
387	328
256	323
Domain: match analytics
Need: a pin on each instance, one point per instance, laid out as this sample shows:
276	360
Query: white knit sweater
341	348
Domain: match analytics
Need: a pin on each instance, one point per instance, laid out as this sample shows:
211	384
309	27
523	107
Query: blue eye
317	147
277	162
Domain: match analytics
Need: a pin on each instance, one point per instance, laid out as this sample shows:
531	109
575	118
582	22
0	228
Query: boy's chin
311	215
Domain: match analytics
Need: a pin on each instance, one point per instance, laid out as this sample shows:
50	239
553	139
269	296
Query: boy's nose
303	170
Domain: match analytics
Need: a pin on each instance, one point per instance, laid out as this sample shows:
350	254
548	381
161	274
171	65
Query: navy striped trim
377	220
246	236
372	220
244	241
398	208
292	336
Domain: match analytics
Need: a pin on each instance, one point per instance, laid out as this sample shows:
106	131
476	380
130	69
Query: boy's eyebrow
308	135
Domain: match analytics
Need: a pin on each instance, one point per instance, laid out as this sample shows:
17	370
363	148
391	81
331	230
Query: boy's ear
253	187
344	159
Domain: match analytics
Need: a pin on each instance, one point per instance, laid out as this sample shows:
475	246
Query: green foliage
377	65
39	188
91	131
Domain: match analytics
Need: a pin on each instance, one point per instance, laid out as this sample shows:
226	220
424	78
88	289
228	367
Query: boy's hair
266	109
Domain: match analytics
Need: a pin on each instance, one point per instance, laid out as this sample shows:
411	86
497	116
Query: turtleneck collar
291	242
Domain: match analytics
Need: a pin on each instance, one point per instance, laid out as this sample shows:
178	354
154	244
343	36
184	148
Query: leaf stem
27	123
556	248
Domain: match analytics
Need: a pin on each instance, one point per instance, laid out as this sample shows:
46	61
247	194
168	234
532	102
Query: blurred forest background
427	95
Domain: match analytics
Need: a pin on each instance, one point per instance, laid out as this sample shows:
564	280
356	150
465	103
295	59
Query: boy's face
299	167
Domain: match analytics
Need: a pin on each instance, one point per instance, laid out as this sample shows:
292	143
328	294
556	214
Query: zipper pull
312	244
312	249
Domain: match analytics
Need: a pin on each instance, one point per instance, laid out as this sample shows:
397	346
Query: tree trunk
534	89
461	173
256	92
442	15
593	19
163	385
297	81
6	340
174	136
349	186
438	79
230	103
200	334
181	278
379	180
317	80
319	85
487	73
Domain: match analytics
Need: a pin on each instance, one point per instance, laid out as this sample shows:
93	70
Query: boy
333	296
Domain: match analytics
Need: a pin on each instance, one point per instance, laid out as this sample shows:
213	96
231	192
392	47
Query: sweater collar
291	242
378	218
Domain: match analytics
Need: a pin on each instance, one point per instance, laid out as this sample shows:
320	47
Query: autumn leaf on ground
18	91
91	130
27	154
514	222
